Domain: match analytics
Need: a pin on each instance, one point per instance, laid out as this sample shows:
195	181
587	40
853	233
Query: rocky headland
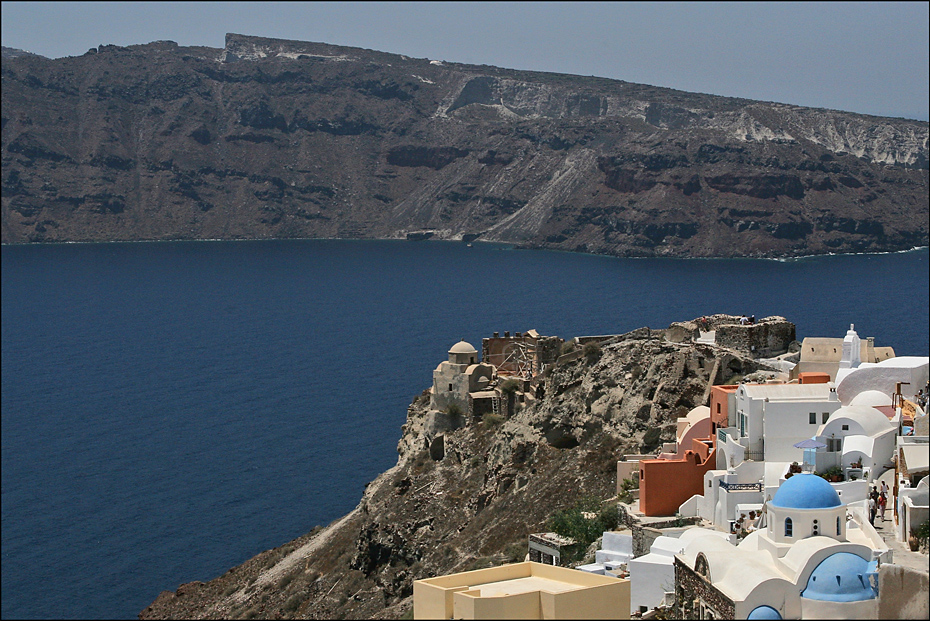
269	138
466	491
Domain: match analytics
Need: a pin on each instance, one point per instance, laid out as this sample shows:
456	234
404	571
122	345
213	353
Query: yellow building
522	591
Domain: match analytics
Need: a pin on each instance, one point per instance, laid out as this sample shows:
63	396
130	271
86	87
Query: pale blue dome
842	577
806	491
764	612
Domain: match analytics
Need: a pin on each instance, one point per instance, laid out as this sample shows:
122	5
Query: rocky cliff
272	138
466	493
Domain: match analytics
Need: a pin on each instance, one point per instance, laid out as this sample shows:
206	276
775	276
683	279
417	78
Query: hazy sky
871	57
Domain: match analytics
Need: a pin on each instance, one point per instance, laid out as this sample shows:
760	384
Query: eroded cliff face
466	493
271	138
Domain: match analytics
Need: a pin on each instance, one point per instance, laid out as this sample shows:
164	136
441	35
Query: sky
867	57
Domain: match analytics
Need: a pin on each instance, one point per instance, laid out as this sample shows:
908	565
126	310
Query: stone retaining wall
644	535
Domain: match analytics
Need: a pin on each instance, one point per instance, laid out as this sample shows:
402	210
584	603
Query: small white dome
463	348
871	398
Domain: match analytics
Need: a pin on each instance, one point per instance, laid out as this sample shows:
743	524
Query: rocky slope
272	138
466	493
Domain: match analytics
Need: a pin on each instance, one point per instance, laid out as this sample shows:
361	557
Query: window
826	415
718	408
788	527
812	417
700	565
815	530
450	387
845	427
838	531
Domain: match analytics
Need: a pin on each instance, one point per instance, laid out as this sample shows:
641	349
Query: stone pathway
902	551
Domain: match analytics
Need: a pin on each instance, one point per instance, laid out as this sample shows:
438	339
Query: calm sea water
169	410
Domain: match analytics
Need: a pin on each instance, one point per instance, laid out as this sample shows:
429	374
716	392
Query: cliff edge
466	492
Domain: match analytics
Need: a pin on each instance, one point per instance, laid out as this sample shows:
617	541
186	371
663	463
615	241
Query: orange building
664	484
722	400
813	377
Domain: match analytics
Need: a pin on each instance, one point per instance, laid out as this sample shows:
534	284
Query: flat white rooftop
522	591
525	585
916	456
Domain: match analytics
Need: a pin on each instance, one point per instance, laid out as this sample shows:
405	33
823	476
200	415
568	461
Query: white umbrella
810	443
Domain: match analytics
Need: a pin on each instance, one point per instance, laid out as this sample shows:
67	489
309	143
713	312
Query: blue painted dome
764	612
842	577
806	491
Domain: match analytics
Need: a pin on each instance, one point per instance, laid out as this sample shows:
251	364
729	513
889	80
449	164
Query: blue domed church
809	562
804	506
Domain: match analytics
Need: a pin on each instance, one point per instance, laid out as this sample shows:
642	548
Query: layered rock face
466	493
271	138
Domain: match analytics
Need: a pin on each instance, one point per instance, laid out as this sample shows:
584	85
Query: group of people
747	321
922	398
878	500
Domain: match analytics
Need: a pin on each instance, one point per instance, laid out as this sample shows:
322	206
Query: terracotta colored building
813	377
664	484
722	406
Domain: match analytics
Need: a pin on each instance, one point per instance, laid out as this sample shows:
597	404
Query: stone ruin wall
547	350
768	337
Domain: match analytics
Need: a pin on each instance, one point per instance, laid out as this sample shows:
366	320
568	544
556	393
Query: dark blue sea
171	409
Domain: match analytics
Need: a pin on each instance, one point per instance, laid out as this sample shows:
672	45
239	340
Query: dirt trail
281	568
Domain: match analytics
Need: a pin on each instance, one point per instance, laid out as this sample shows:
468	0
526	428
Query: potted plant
919	535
